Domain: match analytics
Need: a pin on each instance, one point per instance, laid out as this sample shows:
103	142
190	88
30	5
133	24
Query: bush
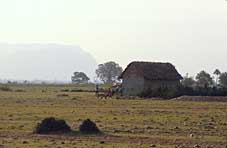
62	95
52	125
200	91
65	90
5	88
20	90
76	90
89	127
161	92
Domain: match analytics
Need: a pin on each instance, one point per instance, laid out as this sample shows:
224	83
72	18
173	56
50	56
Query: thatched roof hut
141	76
154	71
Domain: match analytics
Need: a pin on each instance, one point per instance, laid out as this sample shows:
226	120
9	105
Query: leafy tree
223	80
217	73
204	79
188	81
108	72
80	78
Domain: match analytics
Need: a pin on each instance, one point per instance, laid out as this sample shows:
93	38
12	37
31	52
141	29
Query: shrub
200	91
62	95
162	92
89	127
5	88
20	90
52	125
76	90
65	90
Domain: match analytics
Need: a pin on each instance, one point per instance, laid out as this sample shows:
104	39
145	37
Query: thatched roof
153	71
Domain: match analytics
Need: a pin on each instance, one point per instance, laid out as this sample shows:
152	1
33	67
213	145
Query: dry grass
126	123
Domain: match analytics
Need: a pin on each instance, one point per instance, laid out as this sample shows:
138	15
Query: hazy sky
189	33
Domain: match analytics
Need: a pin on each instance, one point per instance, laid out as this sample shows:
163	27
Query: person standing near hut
110	92
97	89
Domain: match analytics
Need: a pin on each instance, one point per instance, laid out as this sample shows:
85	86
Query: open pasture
126	123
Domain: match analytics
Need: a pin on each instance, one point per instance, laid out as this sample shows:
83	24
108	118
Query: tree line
205	84
107	73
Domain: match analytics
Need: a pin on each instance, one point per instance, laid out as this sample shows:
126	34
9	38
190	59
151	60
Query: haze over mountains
50	62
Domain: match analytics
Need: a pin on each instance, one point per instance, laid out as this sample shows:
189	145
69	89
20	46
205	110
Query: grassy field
126	123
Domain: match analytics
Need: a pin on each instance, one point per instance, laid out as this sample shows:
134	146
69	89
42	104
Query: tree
109	72
204	79
188	81
80	78
223	80
217	73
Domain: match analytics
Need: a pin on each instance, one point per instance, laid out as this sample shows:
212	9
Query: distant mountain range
44	62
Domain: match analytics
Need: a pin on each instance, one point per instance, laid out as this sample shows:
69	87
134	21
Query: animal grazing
105	95
102	95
